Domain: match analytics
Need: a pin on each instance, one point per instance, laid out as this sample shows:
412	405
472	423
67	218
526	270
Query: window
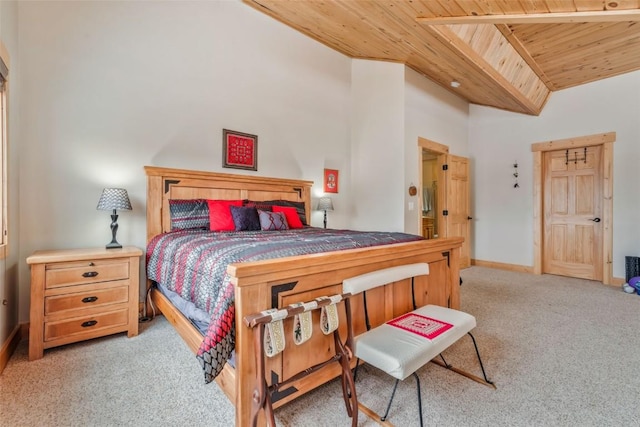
4	73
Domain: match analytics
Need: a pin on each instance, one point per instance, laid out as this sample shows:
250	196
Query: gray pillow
272	220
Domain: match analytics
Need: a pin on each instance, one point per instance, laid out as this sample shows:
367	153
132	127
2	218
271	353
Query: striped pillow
257	205
191	213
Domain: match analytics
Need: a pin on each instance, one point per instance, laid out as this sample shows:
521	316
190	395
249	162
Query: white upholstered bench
403	345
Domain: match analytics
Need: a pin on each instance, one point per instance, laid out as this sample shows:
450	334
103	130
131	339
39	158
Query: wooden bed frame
279	282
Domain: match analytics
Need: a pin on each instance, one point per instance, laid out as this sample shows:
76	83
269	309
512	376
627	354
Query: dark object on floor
632	267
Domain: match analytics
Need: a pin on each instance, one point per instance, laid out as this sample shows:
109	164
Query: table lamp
114	199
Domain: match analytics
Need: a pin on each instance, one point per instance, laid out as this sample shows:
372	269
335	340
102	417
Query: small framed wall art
330	181
239	150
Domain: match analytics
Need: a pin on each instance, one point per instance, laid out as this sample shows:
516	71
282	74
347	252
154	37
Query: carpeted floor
562	352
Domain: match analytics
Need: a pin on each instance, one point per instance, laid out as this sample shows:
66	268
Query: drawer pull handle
90	274
90	299
89	323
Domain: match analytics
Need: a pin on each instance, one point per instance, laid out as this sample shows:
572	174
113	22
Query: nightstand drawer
80	272
81	300
85	325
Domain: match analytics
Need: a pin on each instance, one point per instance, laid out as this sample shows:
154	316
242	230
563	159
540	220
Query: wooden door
457	206
572	226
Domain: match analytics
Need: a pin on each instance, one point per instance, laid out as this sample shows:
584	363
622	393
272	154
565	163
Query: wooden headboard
166	183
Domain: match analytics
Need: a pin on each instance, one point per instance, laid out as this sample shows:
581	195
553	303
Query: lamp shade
325	204
114	198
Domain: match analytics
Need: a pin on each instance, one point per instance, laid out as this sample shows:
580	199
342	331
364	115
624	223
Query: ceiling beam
476	61
538	18
526	56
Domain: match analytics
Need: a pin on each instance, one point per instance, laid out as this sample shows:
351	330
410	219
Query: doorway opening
429	226
444	202
432	198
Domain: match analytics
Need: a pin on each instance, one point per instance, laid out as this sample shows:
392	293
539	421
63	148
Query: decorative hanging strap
274	331
302	322
329	321
274	341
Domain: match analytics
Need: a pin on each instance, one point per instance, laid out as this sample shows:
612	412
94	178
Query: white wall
392	106
112	86
377	145
503	216
434	113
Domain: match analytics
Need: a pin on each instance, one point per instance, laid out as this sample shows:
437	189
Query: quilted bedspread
193	263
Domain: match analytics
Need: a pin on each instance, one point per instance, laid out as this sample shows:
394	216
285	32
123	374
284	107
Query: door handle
596	220
469	218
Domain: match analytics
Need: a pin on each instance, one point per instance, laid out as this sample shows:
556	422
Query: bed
271	283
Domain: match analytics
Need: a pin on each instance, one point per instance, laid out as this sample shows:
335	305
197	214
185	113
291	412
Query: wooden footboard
276	283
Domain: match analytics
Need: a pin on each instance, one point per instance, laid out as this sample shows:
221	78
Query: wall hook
515	175
575	157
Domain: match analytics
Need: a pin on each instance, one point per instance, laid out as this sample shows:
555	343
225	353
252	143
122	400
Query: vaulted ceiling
508	54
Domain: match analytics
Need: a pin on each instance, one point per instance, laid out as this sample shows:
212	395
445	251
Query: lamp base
114	229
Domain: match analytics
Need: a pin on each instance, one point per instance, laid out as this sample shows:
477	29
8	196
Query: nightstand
79	294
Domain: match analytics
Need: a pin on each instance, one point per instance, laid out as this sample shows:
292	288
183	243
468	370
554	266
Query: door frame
441	152
606	140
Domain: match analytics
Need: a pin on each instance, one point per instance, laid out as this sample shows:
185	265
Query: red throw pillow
220	218
291	214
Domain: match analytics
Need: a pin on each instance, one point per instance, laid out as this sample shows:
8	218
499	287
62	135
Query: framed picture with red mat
330	181
239	150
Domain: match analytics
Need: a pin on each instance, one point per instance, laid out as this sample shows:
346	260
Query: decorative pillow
299	206
291	214
245	219
220	218
261	206
192	213
272	220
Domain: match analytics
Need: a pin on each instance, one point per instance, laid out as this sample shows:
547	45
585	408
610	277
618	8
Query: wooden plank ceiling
508	54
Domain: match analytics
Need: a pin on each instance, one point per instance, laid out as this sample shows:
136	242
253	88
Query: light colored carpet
562	352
